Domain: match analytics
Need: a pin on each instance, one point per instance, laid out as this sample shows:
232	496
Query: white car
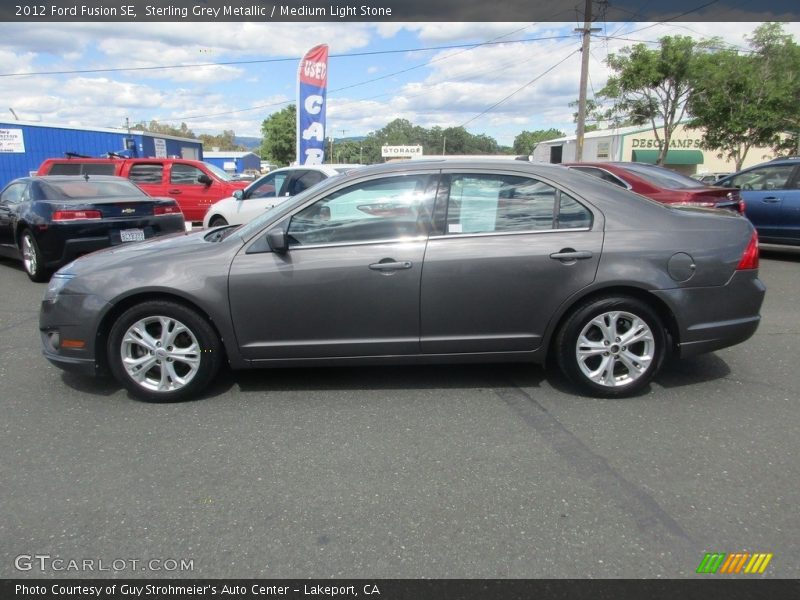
268	191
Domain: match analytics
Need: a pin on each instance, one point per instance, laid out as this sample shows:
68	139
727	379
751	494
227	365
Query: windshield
86	188
661	177
222	175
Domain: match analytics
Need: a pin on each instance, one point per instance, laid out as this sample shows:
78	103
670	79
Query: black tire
217	221
190	351
609	365
32	259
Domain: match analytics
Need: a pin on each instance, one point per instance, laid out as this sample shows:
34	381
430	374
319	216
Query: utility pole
587	32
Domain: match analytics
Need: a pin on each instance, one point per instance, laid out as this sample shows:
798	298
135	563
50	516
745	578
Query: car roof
56	178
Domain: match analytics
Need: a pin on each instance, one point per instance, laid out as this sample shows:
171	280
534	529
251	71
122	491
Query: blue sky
445	87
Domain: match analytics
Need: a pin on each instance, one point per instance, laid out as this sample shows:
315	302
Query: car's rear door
349	285
509	250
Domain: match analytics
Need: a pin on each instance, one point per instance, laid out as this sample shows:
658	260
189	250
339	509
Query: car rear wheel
611	347
162	351
217	221
31	257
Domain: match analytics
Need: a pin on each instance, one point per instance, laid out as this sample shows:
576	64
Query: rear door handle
174	192
391	265
569	254
770	200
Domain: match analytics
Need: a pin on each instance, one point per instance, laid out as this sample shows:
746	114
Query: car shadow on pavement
784	253
415	377
686	372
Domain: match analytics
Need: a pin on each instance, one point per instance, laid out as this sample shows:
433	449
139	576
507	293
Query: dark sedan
48	221
662	185
417	262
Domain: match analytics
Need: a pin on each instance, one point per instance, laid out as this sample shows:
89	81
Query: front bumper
73	317
711	318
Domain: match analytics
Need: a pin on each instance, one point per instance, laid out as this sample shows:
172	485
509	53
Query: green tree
155	127
652	86
280	137
746	100
224	141
526	141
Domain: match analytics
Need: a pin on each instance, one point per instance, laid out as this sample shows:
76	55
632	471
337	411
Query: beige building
639	144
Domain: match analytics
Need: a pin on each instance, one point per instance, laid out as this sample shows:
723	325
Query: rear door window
146	173
494	203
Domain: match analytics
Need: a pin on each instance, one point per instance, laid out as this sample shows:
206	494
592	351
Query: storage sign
11	140
401	151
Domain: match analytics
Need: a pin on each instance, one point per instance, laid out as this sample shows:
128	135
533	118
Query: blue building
24	145
235	163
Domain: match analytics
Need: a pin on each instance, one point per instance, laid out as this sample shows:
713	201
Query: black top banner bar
395	10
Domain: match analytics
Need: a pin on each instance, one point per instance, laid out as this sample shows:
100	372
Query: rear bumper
711	318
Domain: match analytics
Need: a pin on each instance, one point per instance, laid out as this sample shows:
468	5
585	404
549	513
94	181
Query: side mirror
204	179
278	240
238	194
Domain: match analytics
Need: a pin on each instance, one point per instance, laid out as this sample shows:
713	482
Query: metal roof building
234	162
25	144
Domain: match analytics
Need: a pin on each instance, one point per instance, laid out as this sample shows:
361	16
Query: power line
278	60
498	103
374	79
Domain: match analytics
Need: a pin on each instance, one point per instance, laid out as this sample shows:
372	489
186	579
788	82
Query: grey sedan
417	262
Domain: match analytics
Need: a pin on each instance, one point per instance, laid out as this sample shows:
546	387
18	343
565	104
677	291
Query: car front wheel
217	221
162	351
611	347
32	257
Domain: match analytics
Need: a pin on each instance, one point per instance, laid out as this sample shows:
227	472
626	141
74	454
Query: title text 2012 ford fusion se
417	262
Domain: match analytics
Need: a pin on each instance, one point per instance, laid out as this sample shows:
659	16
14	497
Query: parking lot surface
446	471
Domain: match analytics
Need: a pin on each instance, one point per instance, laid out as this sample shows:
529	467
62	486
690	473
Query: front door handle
568	254
771	200
391	265
174	192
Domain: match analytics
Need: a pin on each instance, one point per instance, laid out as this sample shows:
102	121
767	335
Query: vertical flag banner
312	85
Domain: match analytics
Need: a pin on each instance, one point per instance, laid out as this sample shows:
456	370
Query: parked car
709	178
195	185
771	193
268	191
662	185
49	221
423	262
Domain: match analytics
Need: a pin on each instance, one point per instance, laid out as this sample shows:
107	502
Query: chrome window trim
400	240
456	236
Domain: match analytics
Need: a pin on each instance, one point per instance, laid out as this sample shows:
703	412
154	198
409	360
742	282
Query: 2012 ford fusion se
417	262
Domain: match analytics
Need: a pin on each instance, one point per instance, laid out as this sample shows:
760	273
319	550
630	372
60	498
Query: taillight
167	210
77	215
750	256
737	197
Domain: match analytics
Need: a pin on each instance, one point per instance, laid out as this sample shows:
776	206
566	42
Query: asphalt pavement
442	471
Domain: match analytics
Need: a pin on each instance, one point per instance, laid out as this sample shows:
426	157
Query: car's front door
765	189
261	195
349	283
510	250
10	197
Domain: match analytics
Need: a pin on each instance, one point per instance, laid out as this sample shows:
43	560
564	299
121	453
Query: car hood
176	262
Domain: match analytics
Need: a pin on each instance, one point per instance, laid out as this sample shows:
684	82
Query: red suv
195	185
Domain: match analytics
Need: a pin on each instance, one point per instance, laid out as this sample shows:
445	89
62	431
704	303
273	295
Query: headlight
57	282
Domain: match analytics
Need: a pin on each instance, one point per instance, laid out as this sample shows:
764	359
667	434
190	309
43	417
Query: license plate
131	235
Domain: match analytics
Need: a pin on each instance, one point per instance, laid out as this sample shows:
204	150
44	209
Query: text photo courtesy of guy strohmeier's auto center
305	296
